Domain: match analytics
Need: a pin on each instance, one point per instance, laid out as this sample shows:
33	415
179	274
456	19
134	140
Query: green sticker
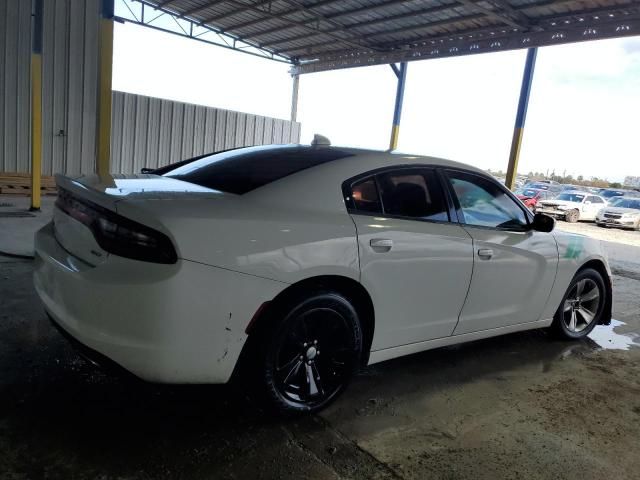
574	248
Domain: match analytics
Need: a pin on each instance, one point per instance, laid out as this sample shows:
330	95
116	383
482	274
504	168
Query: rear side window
365	196
242	170
414	193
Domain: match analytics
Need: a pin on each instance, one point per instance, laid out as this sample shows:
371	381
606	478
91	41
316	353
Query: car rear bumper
181	323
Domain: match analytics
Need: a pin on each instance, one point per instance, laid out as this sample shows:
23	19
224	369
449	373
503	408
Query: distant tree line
570	179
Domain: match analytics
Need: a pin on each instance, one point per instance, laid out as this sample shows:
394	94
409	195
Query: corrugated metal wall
15	60
146	131
70	85
151	132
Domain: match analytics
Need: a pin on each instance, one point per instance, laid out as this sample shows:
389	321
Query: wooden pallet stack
20	184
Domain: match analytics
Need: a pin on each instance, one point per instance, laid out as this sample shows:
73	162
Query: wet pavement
520	406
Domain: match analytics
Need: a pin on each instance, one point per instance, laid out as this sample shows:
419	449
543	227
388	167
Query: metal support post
36	104
401	73
104	88
294	98
521	116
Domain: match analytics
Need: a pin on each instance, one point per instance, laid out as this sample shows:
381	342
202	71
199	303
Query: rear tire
310	354
572	216
582	306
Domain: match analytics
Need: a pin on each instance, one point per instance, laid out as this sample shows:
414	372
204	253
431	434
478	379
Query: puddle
606	338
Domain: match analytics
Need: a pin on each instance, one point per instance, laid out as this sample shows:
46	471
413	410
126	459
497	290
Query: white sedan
573	206
294	266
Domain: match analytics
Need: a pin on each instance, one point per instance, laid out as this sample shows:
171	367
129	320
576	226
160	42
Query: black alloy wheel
312	354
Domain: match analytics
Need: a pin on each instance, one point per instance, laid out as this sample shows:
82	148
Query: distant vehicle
566	188
610	193
554	188
573	206
531	196
621	212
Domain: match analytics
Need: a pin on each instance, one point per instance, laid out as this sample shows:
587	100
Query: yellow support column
521	116
104	89
36	105
401	73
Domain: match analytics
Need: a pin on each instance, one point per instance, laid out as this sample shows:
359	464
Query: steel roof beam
368	23
201	8
260	20
469	4
626	22
439	23
290	22
401	16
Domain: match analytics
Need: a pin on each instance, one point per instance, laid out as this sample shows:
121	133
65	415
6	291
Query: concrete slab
519	406
18	225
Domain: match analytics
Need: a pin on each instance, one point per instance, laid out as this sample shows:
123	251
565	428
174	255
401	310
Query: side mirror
543	223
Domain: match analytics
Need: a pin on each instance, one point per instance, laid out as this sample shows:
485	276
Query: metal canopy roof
317	35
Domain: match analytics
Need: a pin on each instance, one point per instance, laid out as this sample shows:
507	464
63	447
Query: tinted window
612	193
571	197
594	199
622	202
413	193
485	204
365	196
245	169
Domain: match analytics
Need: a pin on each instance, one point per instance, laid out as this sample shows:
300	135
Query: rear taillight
117	234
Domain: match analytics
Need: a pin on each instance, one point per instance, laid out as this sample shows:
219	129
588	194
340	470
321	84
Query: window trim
348	184
527	213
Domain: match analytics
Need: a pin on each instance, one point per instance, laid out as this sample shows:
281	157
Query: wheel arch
599	266
349	288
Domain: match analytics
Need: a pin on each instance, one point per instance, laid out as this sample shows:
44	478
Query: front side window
485	204
414	193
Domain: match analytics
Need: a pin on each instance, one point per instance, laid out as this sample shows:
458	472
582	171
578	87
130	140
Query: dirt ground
520	406
618	235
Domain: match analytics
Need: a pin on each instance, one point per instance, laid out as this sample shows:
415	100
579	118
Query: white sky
584	112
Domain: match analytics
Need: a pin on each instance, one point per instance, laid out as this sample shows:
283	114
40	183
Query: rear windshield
245	169
571	197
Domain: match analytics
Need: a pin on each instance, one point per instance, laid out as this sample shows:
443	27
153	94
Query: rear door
514	266
414	261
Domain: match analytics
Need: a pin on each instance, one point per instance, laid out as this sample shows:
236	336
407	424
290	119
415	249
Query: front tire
572	216
311	353
582	305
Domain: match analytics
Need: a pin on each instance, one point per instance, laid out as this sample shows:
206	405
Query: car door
415	263
591	206
514	266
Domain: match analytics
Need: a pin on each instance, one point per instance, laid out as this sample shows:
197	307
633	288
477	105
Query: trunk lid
99	196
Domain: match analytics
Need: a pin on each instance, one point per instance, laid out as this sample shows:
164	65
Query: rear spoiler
90	187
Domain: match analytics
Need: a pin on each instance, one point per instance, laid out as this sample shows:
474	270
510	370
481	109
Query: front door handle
381	244
485	253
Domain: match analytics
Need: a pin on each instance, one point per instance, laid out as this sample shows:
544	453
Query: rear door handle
485	253
381	244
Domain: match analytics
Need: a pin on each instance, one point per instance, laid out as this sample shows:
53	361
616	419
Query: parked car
621	212
549	187
610	193
567	188
573	206
293	266
531	196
